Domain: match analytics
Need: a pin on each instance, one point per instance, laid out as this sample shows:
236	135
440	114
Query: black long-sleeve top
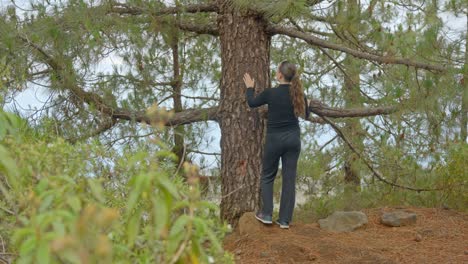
281	115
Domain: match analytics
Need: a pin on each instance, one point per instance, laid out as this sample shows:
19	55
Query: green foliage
275	10
448	176
454	177
60	207
412	147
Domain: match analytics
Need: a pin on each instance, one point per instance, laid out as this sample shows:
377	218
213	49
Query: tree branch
7	210
376	173
106	125
190	115
313	2
316	120
291	32
203	153
211	29
185	117
124	9
321	109
193	115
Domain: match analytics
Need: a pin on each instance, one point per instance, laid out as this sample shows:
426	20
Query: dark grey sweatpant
287	146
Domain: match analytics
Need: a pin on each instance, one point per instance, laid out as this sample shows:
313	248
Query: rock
248	224
418	238
312	257
398	218
343	221
238	252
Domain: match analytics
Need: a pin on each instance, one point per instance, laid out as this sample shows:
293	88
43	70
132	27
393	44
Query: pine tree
197	52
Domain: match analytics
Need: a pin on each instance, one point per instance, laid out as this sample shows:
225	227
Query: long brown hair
289	71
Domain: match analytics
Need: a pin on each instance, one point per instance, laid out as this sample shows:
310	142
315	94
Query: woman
286	103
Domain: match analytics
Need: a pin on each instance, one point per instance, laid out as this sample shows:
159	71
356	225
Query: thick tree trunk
244	48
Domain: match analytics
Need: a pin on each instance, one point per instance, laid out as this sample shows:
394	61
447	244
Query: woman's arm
253	101
257	101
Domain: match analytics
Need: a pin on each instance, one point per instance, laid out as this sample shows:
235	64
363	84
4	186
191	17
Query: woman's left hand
249	82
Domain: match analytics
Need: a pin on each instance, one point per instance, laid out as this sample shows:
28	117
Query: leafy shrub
448	176
64	203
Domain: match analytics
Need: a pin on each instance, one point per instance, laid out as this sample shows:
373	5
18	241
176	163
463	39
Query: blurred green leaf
28	245
161	216
43	255
96	189
167	185
74	203
133	228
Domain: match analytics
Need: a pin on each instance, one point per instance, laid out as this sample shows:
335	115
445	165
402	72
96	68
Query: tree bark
245	47
179	143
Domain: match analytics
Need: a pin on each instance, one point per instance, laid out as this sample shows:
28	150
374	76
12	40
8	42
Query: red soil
439	236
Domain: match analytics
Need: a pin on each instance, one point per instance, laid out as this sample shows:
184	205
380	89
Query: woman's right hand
249	82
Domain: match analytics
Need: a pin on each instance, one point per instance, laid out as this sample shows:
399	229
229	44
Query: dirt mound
439	236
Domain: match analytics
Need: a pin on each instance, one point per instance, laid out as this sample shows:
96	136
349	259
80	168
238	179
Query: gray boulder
398	218
343	221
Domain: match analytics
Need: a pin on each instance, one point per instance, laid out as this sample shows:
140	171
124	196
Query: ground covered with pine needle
439	236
